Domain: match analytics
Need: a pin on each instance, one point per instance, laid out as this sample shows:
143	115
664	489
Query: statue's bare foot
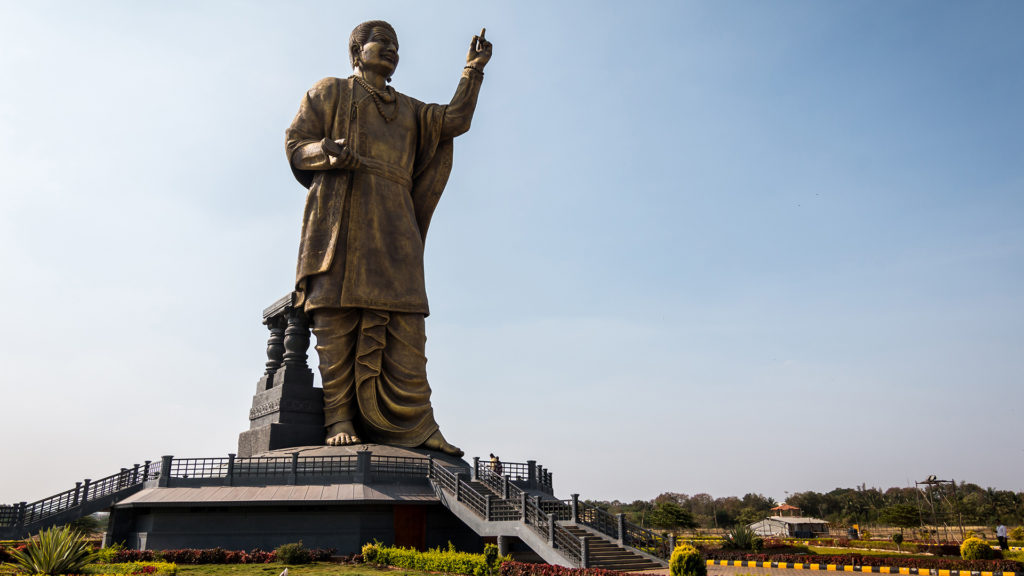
342	434
437	442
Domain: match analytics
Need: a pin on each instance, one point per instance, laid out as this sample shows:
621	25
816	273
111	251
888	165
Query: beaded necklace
378	99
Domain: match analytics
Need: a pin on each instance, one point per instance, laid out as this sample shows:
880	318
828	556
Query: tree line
963	504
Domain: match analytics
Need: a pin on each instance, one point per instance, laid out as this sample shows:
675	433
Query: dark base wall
344	528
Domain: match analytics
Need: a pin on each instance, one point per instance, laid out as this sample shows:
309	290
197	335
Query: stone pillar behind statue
287	411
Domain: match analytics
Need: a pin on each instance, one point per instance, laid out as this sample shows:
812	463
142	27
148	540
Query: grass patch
848	551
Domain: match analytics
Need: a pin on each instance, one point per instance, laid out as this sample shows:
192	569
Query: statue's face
380	52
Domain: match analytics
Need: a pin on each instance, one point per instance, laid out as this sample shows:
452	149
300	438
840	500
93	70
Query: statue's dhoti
374	373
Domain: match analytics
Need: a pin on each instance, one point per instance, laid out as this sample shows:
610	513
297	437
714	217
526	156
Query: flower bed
210	556
512	568
858	560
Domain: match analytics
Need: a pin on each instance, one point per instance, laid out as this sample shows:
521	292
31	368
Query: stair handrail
29	513
567	543
500	485
600	520
618	528
647	541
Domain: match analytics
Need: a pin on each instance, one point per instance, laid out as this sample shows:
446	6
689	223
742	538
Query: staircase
565	532
24	518
607	554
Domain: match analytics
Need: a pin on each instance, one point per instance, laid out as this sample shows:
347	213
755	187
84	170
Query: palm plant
55	551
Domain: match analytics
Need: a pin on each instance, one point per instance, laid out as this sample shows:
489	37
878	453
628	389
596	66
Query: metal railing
399	467
646	540
199	468
445	478
598	519
27	514
474	500
528	473
561	509
569	544
324	465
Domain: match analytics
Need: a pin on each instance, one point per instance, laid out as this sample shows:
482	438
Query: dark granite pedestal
341	498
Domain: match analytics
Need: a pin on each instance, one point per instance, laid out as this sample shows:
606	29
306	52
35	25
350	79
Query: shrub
55	551
293	553
491	556
897	538
154	568
687	561
436	560
1017	533
369	552
977	549
106	555
743	538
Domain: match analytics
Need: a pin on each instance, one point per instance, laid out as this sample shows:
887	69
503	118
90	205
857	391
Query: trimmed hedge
435	560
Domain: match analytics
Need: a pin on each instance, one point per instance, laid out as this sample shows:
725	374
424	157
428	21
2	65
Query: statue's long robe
362	248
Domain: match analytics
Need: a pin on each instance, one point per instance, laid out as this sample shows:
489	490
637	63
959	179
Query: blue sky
718	247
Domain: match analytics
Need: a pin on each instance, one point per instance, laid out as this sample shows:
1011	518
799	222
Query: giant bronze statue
375	162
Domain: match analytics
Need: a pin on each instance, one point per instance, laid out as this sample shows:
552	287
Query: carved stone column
287	411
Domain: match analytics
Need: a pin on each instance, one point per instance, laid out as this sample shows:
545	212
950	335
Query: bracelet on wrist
471	67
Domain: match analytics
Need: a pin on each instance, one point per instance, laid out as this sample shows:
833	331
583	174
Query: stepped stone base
342	516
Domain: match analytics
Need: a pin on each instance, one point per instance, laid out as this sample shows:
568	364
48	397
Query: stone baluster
275	349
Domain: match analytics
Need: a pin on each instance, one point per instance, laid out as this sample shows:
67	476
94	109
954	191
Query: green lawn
823	550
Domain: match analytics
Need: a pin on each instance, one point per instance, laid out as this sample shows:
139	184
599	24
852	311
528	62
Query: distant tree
901	515
668	514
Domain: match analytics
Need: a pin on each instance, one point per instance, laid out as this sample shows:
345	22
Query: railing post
229	478
504	487
531	474
293	471
458	485
85	491
584	552
78	491
121	480
135	474
474	474
620	521
487	506
20	520
551	530
522	504
671	543
165	471
575	507
363	459
430	466
550	482
145	470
